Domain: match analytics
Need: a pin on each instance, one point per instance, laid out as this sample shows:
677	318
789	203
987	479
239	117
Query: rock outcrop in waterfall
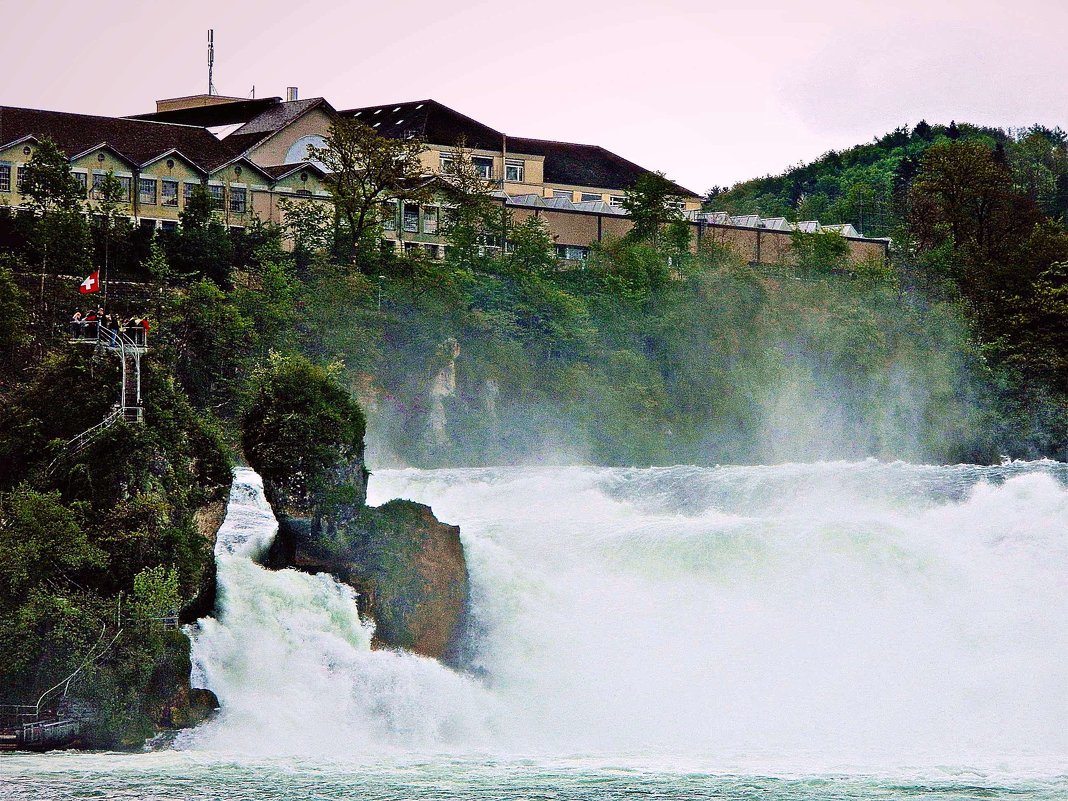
304	435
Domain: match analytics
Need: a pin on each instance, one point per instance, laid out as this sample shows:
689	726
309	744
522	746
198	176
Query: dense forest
650	352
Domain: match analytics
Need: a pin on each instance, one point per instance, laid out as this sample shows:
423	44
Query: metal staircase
129	408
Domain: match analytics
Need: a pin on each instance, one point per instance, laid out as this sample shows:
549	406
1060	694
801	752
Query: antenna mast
211	60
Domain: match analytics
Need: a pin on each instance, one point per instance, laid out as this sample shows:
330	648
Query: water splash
816	616
291	662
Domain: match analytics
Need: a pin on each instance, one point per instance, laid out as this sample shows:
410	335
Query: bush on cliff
300	426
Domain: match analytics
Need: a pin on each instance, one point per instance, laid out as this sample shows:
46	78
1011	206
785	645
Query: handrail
120	341
80	442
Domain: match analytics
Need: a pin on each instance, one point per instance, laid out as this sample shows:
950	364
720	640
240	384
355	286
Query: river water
824	631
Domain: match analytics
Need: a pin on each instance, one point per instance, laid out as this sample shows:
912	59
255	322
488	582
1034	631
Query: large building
250	154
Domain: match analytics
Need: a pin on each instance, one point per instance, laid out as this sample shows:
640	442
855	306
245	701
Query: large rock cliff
304	434
407	567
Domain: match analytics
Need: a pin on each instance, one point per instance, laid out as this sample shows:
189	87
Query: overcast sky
710	92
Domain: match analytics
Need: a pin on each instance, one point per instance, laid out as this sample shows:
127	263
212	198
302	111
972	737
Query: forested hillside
868	185
977	216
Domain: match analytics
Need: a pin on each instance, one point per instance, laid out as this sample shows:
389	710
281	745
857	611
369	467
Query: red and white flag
90	284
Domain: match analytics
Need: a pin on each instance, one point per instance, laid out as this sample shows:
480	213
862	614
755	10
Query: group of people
96	324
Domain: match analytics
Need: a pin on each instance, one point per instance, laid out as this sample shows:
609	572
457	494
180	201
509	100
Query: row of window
410	217
564	252
514	169
613	200
150	192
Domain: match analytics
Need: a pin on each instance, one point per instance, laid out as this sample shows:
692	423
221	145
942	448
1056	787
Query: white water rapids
806	616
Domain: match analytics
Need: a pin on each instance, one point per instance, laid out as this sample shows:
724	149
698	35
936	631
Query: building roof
564	204
137	141
565	162
279	171
246	122
429	121
584	165
210	116
278	116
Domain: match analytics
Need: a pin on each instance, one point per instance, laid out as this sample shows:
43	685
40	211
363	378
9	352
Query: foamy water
844	630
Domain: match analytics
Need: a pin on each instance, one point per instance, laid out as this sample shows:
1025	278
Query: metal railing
128	409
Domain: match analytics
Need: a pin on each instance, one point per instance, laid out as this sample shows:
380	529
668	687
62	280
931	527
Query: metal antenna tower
211	60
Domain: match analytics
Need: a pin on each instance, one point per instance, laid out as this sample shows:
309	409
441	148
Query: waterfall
826	614
291	662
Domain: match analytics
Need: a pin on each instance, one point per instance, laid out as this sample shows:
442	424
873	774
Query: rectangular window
562	193
169	194
148	225
483	166
125	187
389	215
411	218
146	191
411	248
98	179
430	220
572	252
169	225
585	197
238	200
20	176
514	170
83	182
5	177
432	251
616	201
446	163
188	192
218	195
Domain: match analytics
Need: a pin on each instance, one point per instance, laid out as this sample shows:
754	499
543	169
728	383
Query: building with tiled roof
158	163
518	165
252	153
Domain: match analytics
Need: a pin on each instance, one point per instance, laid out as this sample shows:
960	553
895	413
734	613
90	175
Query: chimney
291	93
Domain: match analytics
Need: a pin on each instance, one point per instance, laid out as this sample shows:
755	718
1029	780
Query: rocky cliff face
407	566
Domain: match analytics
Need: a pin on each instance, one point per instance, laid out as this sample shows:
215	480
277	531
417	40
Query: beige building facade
250	155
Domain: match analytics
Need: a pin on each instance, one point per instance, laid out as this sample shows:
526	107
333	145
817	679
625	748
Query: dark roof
430	121
277	171
583	165
136	141
565	162
240	111
258	119
280	115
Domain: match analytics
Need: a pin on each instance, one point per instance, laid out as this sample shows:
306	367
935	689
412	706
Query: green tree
60	233
364	169
200	247
155	593
109	195
300	426
212	344
652	203
819	252
48	183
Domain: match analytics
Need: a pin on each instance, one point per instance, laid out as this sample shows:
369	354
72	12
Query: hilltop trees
652	205
61	235
364	170
200	247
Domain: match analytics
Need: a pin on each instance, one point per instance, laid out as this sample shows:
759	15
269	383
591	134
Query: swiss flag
90	284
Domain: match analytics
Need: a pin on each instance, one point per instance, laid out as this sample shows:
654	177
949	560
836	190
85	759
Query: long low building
250	154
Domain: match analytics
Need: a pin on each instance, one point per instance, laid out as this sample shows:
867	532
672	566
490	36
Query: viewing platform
25	728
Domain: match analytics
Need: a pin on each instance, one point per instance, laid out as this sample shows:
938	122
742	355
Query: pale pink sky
710	92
